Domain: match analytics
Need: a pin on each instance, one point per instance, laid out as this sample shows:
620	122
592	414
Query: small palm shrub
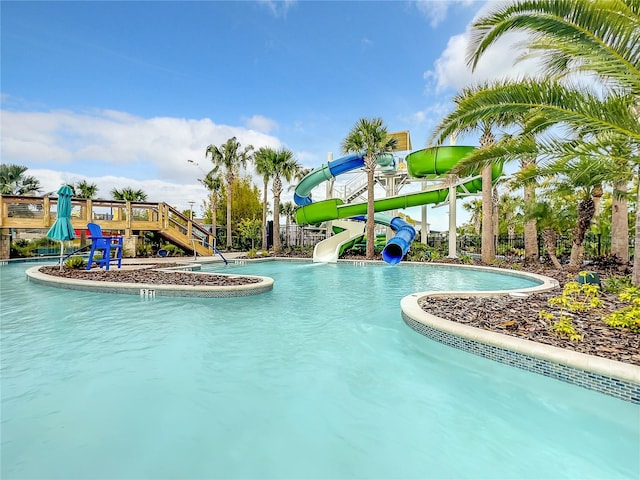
75	263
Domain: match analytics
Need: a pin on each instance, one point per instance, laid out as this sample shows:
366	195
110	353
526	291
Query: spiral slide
428	163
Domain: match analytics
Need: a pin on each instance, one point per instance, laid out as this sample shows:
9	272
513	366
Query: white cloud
161	144
436	10
499	62
261	123
117	149
278	8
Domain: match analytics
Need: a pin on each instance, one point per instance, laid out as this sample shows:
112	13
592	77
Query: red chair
104	245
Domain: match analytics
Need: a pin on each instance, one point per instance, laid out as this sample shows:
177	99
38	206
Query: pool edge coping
207	291
410	306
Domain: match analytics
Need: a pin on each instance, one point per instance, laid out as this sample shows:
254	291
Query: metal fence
513	246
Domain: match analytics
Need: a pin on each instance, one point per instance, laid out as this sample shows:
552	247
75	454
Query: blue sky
124	93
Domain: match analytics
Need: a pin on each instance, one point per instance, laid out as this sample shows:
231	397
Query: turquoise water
319	378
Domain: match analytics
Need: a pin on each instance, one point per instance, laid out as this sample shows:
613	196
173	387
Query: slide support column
424	227
329	224
452	218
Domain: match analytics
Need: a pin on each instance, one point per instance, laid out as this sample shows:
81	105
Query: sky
124	94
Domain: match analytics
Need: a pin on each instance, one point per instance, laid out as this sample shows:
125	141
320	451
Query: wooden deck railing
126	217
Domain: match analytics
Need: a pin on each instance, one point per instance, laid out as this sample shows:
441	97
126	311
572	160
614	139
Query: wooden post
46	210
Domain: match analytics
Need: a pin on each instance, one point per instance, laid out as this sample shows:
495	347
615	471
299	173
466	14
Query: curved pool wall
317	378
265	284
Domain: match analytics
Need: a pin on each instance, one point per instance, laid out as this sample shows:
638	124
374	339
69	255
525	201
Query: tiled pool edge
143	289
617	379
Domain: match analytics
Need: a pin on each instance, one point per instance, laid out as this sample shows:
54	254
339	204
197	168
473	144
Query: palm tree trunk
264	215
370	226
549	238
214	214
620	224
531	252
277	190
495	200
488	249
635	277
229	186
586	210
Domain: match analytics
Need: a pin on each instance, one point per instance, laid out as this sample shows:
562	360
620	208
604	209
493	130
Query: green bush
173	250
616	284
627	317
418	252
76	263
143	250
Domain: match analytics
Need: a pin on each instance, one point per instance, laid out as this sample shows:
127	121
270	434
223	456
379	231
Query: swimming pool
317	378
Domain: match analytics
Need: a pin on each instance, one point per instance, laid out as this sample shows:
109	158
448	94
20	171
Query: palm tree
288	209
84	189
488	237
213	183
475	208
596	37
509	208
231	157
13	181
129	194
370	138
551	220
283	165
263	159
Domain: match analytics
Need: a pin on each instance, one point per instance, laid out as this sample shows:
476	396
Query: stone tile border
617	379
153	290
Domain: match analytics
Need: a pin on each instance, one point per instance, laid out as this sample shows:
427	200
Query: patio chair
105	245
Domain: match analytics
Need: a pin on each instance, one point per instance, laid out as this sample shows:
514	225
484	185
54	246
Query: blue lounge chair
104	245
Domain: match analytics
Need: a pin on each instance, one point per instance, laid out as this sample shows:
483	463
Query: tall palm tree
128	193
596	37
283	165
84	189
263	159
531	252
13	181
230	156
488	237
370	138
213	183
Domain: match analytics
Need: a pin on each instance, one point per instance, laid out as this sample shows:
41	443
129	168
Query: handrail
35	212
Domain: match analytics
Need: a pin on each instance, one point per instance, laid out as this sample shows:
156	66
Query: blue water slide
396	248
327	171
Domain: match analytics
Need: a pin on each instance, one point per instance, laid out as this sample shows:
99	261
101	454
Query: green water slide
429	163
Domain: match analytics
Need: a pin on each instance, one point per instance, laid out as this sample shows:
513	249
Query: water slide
429	163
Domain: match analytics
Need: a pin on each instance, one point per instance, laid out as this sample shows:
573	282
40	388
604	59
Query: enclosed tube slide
396	248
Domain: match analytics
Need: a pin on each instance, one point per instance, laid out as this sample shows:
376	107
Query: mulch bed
147	274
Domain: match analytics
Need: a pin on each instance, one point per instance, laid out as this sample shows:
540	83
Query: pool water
319	378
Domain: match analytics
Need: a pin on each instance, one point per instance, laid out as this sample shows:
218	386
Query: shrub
143	250
418	252
173	250
76	263
627	317
616	284
252	253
